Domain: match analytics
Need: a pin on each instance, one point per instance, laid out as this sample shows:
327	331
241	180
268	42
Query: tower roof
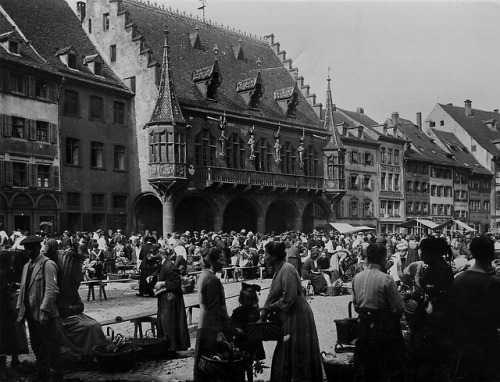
335	142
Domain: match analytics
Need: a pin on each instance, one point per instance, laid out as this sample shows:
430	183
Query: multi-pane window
310	162
397	208
396	182
96	154
205	148
353	182
354	208
97	201
382	181
396	157
119	201
119	158
389	156
367	209
354	157
118	112
19	174
235	152
41	89
383	208
105	21
390	181
43	176
289	159
18	127
71	102
42	131
112	53
18	83
382	155
74	200
486	205
263	155
96	108
72	151
367	182
167	147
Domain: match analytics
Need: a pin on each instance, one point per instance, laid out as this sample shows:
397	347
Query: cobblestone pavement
122	301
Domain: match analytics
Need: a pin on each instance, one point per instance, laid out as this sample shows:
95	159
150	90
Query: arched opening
148	214
280	217
240	214
194	214
314	214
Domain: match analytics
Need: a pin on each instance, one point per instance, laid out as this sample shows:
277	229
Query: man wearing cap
37	305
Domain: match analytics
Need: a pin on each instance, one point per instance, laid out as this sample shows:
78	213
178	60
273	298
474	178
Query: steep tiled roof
475	126
27	56
51	25
151	21
460	152
335	141
423	146
362	118
340	117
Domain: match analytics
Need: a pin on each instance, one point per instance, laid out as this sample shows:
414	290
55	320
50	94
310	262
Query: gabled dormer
195	39
251	90
69	57
238	51
11	42
288	99
95	64
208	80
492	124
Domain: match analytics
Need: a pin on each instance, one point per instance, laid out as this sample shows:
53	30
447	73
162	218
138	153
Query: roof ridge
184	15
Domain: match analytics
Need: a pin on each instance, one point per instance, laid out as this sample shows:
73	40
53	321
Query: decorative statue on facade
222	122
301	149
277	146
251	143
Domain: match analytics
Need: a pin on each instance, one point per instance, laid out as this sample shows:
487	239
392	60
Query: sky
386	57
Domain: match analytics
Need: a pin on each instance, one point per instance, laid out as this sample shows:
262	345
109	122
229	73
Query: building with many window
228	134
30	197
87	135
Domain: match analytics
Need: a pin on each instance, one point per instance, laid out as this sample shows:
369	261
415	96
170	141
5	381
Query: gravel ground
122	301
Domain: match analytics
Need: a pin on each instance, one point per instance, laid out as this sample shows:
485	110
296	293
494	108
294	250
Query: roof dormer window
251	90
288	99
13	47
11	42
94	63
98	68
72	61
208	80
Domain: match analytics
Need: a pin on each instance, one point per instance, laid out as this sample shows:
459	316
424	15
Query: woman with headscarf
172	320
297	356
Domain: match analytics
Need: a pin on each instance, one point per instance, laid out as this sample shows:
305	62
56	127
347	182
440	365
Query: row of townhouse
128	115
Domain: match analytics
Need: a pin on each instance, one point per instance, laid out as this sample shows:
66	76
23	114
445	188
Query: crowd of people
426	305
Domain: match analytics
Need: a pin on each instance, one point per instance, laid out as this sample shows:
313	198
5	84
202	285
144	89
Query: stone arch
4	202
281	216
47	202
148	213
194	213
240	213
315	213
22	201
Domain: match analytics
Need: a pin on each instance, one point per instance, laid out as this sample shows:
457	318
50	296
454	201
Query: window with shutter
4	80
2	173
32	174
31	86
5	125
8	173
52	133
31	125
55	177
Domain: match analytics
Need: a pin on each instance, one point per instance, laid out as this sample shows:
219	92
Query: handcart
347	332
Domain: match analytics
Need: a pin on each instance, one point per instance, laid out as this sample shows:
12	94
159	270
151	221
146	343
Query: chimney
395	118
419	121
81	10
468	108
360	132
360	110
495	111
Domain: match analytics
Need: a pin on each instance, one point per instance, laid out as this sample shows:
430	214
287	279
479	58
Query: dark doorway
314	214
280	217
149	213
23	223
240	214
194	214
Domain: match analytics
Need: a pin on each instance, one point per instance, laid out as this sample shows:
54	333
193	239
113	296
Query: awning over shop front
340	227
419	223
364	228
459	224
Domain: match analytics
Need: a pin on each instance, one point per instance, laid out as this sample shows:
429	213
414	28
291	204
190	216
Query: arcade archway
194	214
314	215
240	214
280	217
148	214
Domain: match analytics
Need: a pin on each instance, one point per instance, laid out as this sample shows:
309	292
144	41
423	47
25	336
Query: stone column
168	216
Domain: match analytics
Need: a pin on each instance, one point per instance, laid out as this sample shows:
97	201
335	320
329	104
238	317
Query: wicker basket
118	276
152	348
221	370
265	331
187	288
120	361
338	370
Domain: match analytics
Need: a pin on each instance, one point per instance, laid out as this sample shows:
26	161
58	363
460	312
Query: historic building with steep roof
228	136
478	132
89	127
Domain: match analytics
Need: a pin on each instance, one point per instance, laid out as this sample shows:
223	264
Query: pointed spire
335	142
167	109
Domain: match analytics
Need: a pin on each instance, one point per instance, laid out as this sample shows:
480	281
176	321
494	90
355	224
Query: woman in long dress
214	323
172	320
310	271
297	356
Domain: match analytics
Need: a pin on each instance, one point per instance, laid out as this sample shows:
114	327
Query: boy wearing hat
37	305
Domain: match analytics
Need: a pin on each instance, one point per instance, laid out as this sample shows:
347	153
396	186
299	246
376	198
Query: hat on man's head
32	239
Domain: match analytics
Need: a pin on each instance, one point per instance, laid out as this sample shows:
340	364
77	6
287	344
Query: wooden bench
101	284
238	271
196	275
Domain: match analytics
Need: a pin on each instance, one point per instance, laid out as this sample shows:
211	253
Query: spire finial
329	68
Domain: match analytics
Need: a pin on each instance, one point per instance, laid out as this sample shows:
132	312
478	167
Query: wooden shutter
52	133
52	92
371	184
32	175
4	80
362	157
31	125
8	173
31	86
55	177
7	126
26	85
2	173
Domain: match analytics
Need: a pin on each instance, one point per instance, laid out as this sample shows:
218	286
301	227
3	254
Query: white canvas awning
464	226
343	227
